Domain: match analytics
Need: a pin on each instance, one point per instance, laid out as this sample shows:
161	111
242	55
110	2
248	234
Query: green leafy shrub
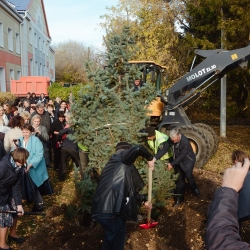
57	90
6	97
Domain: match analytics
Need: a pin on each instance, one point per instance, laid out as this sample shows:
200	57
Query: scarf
14	166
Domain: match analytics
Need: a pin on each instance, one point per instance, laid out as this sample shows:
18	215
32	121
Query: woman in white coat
4	121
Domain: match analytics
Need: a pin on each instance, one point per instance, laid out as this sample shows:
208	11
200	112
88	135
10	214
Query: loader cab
151	72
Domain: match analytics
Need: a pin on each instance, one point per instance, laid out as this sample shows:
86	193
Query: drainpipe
21	52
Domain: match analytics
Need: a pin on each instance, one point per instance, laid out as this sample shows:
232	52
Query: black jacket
244	199
183	154
118	189
10	181
222	226
57	125
67	143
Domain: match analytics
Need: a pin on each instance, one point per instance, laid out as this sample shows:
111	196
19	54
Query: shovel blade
149	225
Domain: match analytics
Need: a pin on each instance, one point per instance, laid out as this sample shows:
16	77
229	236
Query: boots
197	192
178	200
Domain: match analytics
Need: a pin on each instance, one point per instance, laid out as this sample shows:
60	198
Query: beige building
10	45
24	41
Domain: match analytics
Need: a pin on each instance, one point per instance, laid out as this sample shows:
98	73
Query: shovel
25	213
149	224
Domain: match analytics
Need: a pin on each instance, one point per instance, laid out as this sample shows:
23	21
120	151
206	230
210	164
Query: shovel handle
149	193
25	213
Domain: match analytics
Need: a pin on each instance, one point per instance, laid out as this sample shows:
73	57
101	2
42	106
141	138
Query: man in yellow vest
160	144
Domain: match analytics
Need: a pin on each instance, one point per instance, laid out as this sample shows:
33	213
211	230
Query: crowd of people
33	137
32	128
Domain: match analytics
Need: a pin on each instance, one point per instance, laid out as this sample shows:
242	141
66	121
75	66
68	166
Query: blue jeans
115	229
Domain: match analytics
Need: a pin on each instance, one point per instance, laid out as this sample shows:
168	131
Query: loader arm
216	65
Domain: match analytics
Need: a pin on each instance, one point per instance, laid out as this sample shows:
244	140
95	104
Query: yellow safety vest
159	139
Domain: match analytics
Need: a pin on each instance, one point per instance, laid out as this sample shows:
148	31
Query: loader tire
209	137
215	143
199	144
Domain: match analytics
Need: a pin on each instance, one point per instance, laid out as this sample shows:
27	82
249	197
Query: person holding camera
222	229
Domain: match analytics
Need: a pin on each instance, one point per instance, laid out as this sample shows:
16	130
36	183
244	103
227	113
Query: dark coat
45	119
10	182
56	126
222	226
27	109
244	198
33	100
183	154
120	180
66	142
2	151
56	105
41	100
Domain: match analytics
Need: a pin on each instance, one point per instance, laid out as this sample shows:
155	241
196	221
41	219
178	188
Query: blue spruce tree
111	109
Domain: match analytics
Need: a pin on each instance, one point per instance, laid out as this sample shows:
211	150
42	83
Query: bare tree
70	59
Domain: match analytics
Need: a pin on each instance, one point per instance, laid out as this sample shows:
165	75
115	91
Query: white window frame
18	75
43	48
30	36
39	43
31	67
18	51
1	35
12	74
40	69
2	79
35	38
10	39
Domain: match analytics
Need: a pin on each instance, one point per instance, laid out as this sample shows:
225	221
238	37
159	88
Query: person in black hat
117	195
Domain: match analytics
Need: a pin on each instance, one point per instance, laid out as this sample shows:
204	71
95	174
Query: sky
76	20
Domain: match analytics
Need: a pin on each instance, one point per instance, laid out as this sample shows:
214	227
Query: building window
31	67
43	48
18	74
35	37
30	35
1	36
2	80
17	43
40	44
36	69
10	39
40	69
12	74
